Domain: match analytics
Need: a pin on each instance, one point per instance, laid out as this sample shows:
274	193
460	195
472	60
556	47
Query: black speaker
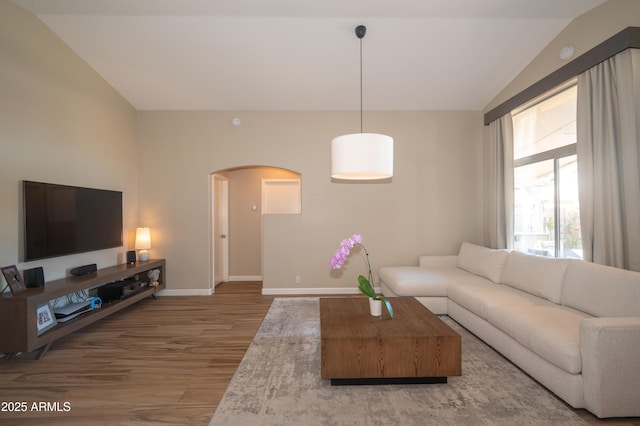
84	270
131	257
33	277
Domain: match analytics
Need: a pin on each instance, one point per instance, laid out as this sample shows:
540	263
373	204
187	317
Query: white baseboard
295	291
245	278
283	291
186	292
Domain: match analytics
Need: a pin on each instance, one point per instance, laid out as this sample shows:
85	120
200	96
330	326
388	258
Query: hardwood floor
165	361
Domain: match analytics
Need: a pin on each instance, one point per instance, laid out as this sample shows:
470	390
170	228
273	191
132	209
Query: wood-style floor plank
165	361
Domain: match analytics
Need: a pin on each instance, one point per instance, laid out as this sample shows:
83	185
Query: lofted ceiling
303	54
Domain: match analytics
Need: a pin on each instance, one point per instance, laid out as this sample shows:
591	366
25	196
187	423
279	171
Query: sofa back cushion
602	291
482	261
537	275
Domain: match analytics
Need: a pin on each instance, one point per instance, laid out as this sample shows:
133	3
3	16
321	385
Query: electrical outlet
298	280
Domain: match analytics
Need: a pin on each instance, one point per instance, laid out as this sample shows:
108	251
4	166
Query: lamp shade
143	242
362	156
143	238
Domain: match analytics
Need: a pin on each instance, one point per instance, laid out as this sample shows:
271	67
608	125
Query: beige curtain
501	183
608	150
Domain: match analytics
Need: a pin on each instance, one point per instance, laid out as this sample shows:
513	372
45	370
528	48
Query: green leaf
387	304
365	287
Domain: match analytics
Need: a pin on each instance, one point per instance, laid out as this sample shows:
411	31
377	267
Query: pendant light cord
361	30
361	85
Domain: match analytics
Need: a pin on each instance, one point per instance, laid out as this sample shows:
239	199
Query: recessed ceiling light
566	53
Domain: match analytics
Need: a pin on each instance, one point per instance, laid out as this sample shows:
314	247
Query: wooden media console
18	312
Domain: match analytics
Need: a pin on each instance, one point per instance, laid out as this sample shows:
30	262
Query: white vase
375	307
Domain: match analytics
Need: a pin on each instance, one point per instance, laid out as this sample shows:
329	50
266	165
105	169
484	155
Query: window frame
555	154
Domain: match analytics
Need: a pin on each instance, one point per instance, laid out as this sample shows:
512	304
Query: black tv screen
61	220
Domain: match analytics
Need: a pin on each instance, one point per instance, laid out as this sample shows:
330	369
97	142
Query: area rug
278	383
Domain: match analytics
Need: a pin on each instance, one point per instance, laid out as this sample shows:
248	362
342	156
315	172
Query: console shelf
18	311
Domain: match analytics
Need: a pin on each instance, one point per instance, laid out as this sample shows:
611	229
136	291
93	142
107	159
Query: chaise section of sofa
572	325
428	282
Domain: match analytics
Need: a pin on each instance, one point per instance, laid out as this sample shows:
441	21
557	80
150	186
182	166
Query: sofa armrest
449	261
610	349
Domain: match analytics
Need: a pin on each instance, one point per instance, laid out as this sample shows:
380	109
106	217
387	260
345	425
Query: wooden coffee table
413	347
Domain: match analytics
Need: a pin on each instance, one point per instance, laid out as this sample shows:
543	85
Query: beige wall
432	204
245	224
59	123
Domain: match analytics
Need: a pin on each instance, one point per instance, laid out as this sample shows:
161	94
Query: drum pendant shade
362	156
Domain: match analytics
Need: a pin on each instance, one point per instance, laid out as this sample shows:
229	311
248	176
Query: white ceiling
303	54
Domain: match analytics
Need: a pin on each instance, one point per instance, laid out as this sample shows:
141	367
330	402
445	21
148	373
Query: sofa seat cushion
481	297
416	281
552	332
540	276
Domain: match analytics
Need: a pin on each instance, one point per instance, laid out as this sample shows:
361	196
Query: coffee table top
348	317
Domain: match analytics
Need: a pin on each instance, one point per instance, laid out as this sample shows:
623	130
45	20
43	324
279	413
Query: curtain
501	183
608	148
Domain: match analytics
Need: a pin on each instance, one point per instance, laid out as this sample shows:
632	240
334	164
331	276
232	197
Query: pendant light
362	156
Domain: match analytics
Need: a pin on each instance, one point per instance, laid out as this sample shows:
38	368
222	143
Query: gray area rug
278	383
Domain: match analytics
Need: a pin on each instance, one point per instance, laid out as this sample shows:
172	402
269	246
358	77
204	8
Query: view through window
546	209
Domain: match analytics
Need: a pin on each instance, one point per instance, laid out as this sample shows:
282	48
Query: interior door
220	228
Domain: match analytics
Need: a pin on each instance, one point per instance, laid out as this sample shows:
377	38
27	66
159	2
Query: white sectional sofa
572	325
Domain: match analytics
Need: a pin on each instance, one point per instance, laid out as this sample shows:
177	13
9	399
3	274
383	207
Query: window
546	209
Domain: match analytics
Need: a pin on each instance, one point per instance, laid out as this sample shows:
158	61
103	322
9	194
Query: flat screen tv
61	220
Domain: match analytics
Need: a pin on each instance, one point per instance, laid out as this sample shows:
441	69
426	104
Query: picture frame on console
14	279
45	318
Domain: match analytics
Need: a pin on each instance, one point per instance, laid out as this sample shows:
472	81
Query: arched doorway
236	220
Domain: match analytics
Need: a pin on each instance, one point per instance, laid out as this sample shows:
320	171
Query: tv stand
19	332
